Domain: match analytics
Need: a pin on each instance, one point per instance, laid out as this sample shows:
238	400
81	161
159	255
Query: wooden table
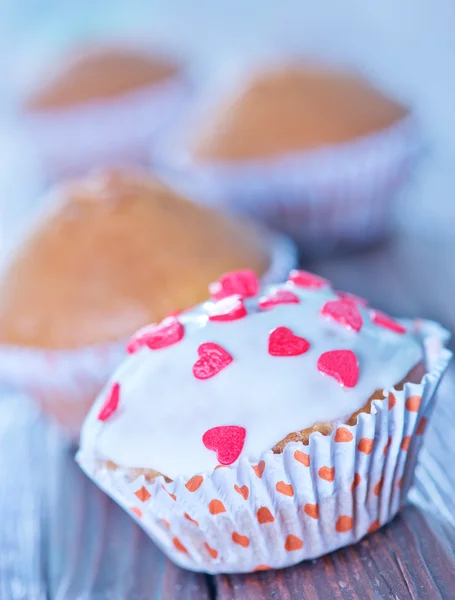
61	538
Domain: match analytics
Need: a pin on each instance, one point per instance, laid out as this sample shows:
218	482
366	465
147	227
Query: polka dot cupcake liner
74	140
337	195
66	382
289	507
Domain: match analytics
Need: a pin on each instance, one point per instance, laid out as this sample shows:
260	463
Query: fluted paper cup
285	508
66	382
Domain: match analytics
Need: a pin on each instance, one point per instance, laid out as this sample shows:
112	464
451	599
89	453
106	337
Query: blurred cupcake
314	152
275	428
101	106
112	252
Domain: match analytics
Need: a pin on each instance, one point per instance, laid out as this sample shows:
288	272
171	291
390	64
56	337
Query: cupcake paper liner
338	194
285	508
71	141
66	382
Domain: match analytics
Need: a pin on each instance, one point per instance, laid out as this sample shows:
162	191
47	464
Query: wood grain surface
61	538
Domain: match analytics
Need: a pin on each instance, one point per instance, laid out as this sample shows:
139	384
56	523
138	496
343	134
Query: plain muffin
291	109
98	74
114	251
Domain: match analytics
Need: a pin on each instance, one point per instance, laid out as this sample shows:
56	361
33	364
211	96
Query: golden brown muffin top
98	74
114	252
291	109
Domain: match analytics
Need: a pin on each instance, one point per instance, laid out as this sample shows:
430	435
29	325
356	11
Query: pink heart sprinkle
344	312
278	297
111	403
213	359
306	279
228	309
227	441
243	283
157	336
383	320
352	298
283	342
342	365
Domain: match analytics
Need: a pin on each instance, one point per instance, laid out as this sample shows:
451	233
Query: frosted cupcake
112	252
266	426
314	152
101	106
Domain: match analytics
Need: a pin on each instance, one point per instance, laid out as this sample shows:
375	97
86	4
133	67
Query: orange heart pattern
243	491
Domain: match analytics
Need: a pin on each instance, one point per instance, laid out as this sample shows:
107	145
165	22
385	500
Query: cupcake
267	427
314	152
112	252
101	106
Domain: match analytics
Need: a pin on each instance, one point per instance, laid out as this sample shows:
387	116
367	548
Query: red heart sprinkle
383	320
278	297
352	298
228	309
282	342
307	280
157	336
227	441
213	359
175	313
111	403
340	364
344	312
243	283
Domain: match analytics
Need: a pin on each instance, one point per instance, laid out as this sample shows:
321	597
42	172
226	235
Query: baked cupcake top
98	73
291	109
237	374
113	252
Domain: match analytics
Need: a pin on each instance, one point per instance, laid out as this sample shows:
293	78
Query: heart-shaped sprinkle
157	336
283	342
228	309
278	297
383	320
307	280
342	365
111	403
213	359
352	298
243	283
343	312
227	441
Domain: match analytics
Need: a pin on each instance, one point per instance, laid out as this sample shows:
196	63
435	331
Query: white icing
164	410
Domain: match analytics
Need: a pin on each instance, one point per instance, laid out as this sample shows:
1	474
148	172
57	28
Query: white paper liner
66	382
73	140
340	193
358	477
